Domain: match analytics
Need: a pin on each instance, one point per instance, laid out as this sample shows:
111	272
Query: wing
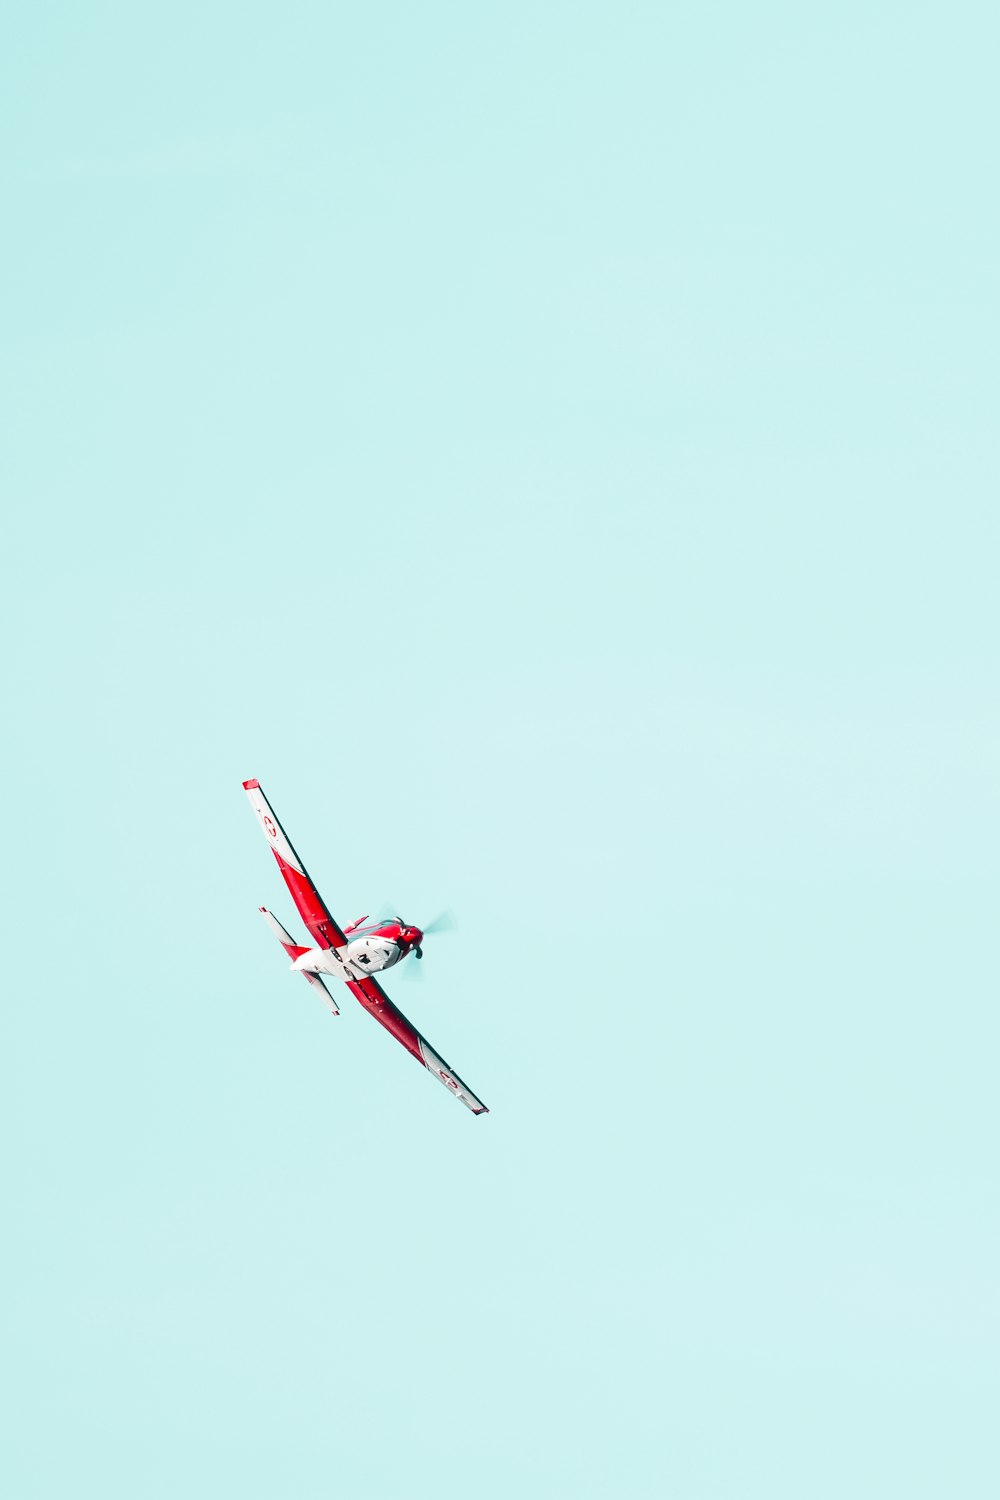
377	1003
309	903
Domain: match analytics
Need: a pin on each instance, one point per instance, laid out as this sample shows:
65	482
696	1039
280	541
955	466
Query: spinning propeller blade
443	922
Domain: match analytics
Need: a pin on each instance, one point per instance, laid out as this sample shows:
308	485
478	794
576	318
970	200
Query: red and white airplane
352	954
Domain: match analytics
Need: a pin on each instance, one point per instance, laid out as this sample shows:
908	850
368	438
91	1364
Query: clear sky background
553	447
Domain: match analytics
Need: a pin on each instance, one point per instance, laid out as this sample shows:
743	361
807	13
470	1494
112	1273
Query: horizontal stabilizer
318	984
284	938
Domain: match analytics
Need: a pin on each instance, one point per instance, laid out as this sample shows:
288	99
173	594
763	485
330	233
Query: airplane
352	954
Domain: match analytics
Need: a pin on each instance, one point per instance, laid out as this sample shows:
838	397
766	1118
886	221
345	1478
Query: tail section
294	951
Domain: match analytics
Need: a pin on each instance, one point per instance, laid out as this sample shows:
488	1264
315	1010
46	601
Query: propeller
388	913
443	922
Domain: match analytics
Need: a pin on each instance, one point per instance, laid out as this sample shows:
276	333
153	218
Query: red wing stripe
377	1003
308	901
310	905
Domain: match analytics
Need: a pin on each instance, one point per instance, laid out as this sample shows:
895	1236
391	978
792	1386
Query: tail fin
294	951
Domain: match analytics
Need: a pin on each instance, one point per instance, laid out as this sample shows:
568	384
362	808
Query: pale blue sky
553	447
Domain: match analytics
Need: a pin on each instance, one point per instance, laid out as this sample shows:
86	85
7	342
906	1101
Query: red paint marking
269	827
378	1004
310	906
251	786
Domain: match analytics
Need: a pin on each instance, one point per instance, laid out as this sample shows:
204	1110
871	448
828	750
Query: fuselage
369	950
